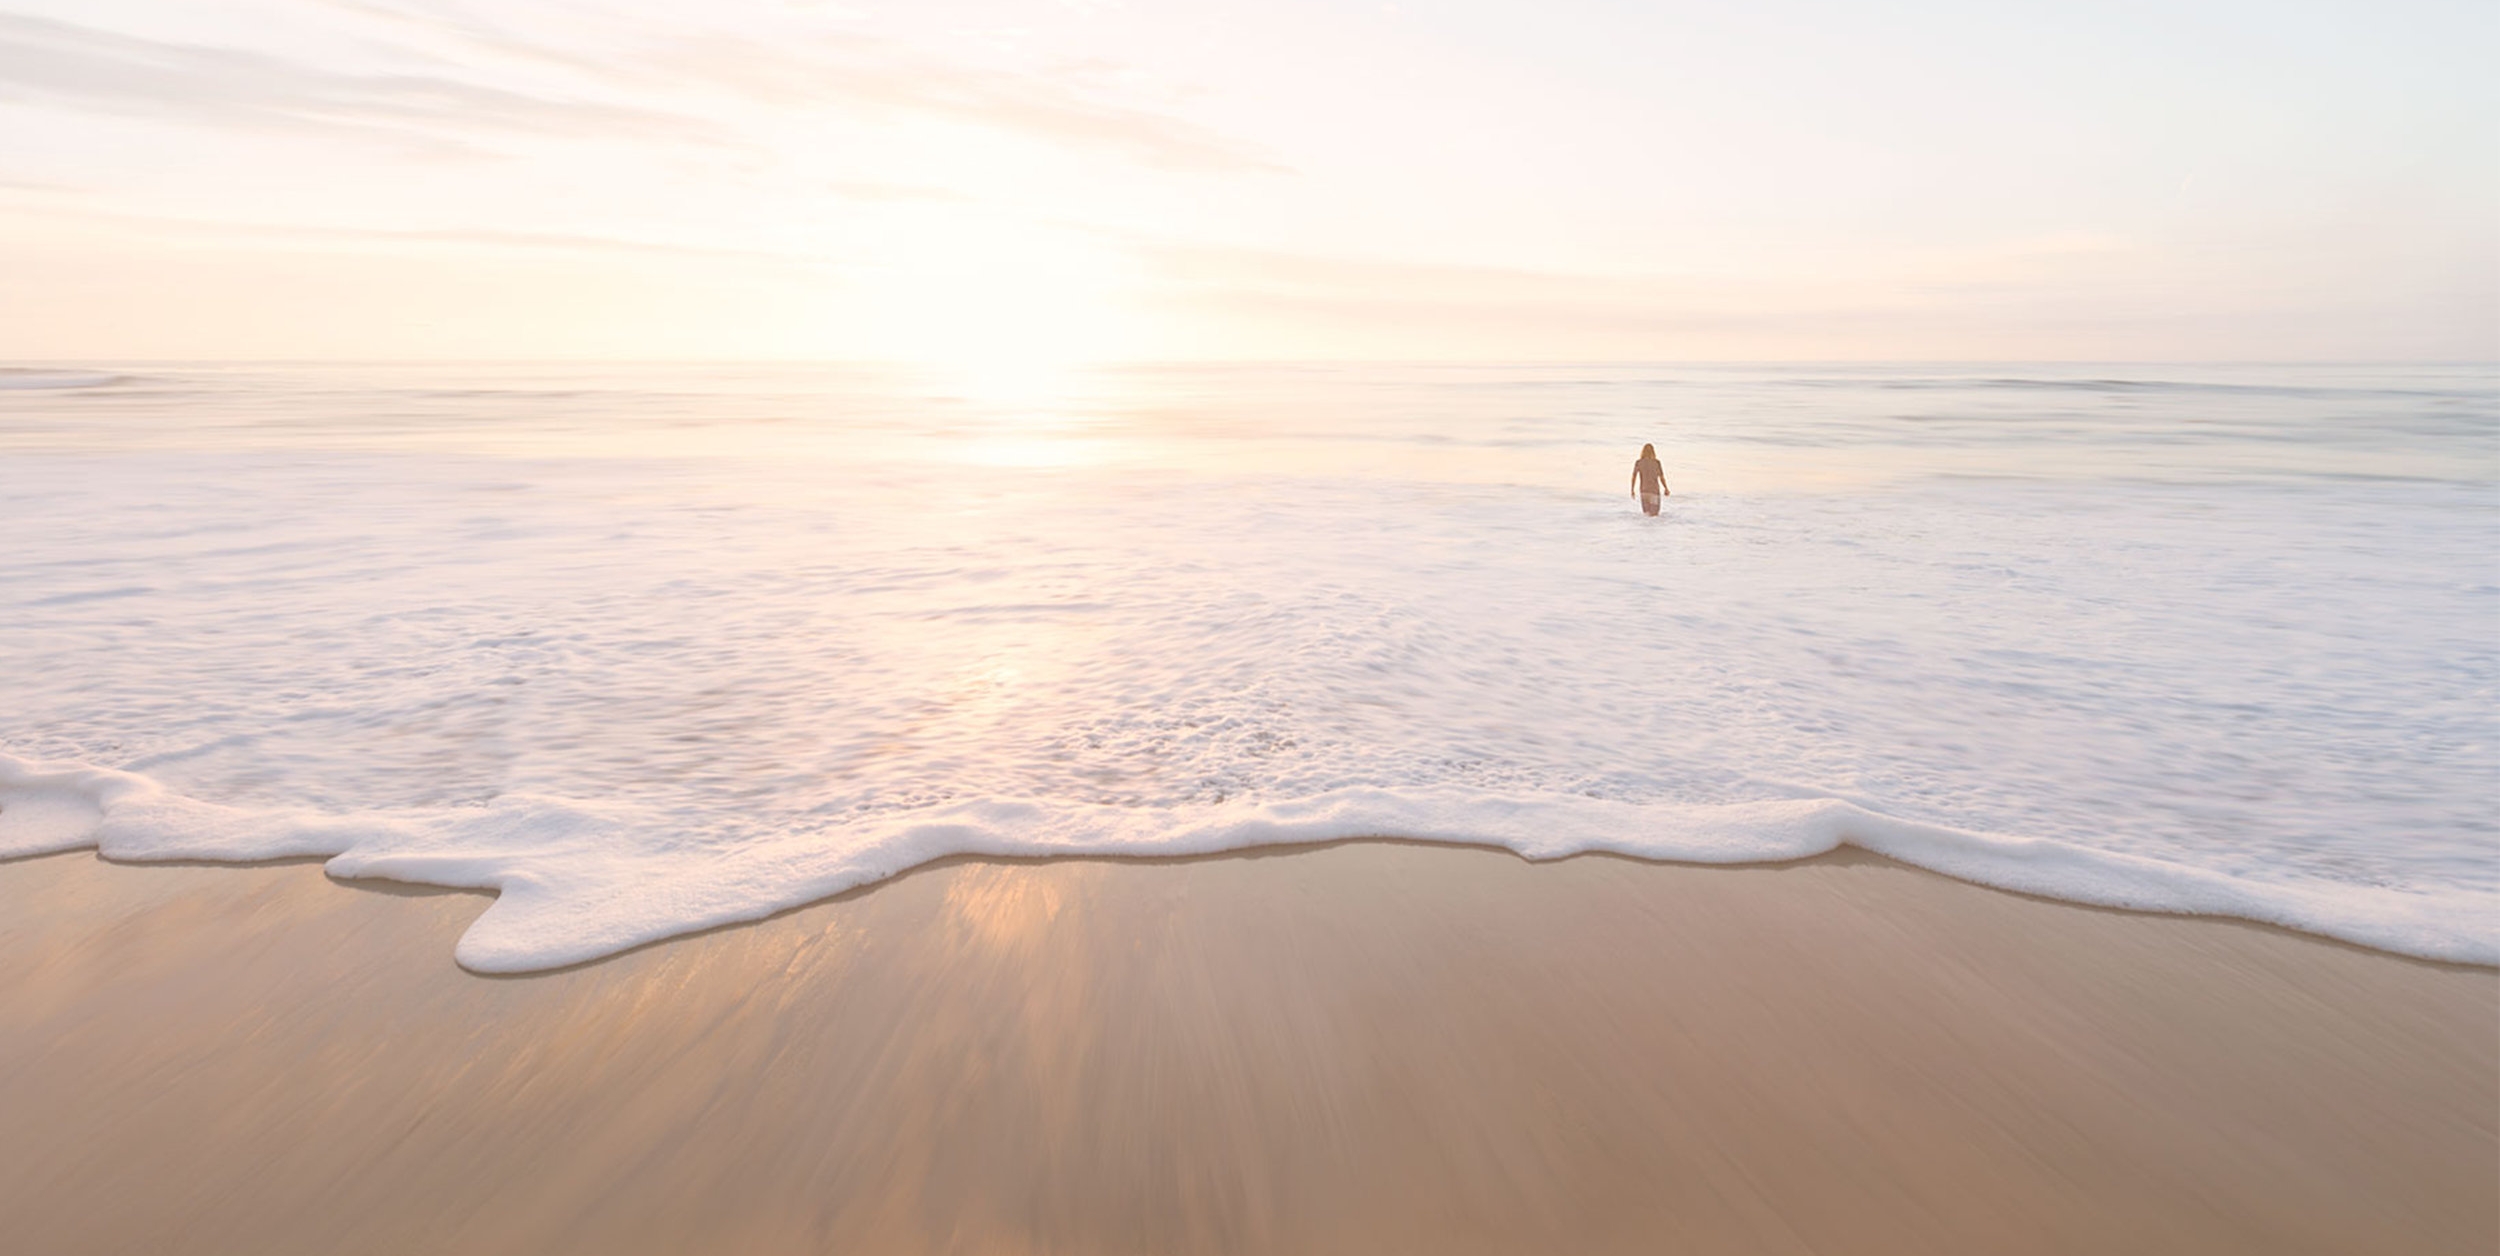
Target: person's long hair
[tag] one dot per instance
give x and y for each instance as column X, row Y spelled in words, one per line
column 1649, row 451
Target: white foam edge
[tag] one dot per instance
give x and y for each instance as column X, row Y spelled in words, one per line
column 568, row 890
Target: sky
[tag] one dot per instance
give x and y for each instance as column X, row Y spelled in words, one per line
column 1067, row 181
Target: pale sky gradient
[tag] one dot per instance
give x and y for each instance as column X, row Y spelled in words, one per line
column 1091, row 179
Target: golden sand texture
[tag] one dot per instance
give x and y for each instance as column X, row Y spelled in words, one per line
column 1362, row 1048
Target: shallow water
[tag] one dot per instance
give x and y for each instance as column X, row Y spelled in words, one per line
column 652, row 648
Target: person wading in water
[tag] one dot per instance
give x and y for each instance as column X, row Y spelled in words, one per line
column 1649, row 480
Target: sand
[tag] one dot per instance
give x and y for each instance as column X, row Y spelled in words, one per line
column 1369, row 1047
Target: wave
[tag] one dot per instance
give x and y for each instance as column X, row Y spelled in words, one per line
column 578, row 880
column 27, row 379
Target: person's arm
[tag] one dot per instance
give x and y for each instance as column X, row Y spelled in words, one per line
column 1636, row 479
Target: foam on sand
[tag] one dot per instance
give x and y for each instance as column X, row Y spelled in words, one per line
column 575, row 881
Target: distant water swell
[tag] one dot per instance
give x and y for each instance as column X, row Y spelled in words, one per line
column 577, row 881
column 35, row 379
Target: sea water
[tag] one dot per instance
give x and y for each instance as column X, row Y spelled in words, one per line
column 646, row 649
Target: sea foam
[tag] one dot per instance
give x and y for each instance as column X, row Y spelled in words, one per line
column 578, row 881
column 644, row 653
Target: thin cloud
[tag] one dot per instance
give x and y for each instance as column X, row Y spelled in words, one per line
column 1067, row 107
column 856, row 72
column 2023, row 266
column 870, row 190
column 2038, row 297
column 464, row 31
column 296, row 235
column 83, row 67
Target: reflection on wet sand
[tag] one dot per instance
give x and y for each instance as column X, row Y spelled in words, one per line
column 1370, row 1047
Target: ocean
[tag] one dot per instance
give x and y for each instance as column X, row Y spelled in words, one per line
column 652, row 648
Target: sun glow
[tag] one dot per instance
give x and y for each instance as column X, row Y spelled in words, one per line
column 999, row 310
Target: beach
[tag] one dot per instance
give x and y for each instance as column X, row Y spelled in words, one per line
column 1361, row 1047
column 779, row 628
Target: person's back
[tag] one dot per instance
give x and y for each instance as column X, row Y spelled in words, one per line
column 1649, row 480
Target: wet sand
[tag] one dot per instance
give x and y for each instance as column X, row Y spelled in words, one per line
column 1366, row 1048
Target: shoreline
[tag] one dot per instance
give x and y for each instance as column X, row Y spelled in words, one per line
column 555, row 908
column 1846, row 854
column 1360, row 1045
